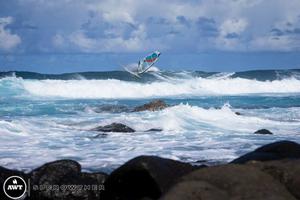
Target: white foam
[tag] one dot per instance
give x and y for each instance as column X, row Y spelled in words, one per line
column 189, row 133
column 177, row 119
column 122, row 89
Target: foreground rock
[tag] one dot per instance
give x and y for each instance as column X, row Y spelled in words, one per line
column 114, row 127
column 274, row 151
column 144, row 176
column 263, row 132
column 65, row 172
column 238, row 182
column 47, row 181
column 271, row 172
column 286, row 171
column 152, row 106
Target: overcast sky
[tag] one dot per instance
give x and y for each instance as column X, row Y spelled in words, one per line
column 139, row 26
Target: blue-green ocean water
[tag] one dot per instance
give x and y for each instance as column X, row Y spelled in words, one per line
column 46, row 117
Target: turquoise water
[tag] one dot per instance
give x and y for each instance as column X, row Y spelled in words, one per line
column 49, row 117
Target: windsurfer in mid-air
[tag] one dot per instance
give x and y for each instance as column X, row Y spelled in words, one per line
column 145, row 64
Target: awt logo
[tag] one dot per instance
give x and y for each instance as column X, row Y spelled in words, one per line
column 14, row 187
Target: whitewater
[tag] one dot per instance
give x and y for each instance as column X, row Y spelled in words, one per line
column 161, row 87
column 211, row 118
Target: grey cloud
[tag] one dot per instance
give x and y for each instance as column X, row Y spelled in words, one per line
column 293, row 31
column 278, row 32
column 232, row 35
column 157, row 20
column 181, row 19
column 207, row 26
column 181, row 25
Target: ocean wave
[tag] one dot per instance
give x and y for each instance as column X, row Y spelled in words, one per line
column 204, row 134
column 175, row 119
column 114, row 89
column 185, row 117
column 155, row 74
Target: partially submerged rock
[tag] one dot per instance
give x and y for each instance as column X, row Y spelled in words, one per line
column 263, row 132
column 274, row 151
column 144, row 176
column 154, row 130
column 114, row 127
column 111, row 108
column 151, row 106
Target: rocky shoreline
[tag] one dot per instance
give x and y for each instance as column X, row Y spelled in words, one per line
column 269, row 172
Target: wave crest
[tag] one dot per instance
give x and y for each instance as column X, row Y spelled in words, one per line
column 113, row 88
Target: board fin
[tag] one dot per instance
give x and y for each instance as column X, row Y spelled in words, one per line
column 131, row 72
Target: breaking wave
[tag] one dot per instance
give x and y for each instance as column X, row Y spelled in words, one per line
column 168, row 87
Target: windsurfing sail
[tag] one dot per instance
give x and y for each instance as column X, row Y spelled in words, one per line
column 144, row 64
column 147, row 62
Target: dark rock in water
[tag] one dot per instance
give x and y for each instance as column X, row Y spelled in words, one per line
column 114, row 127
column 285, row 171
column 274, row 151
column 263, row 132
column 144, row 176
column 64, row 172
column 4, row 174
column 154, row 130
column 111, row 109
column 100, row 135
column 227, row 182
column 152, row 106
column 237, row 113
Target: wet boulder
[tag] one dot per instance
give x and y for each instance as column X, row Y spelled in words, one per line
column 273, row 151
column 193, row 190
column 114, row 127
column 286, row 171
column 226, row 182
column 144, row 177
column 48, row 180
column 151, row 106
